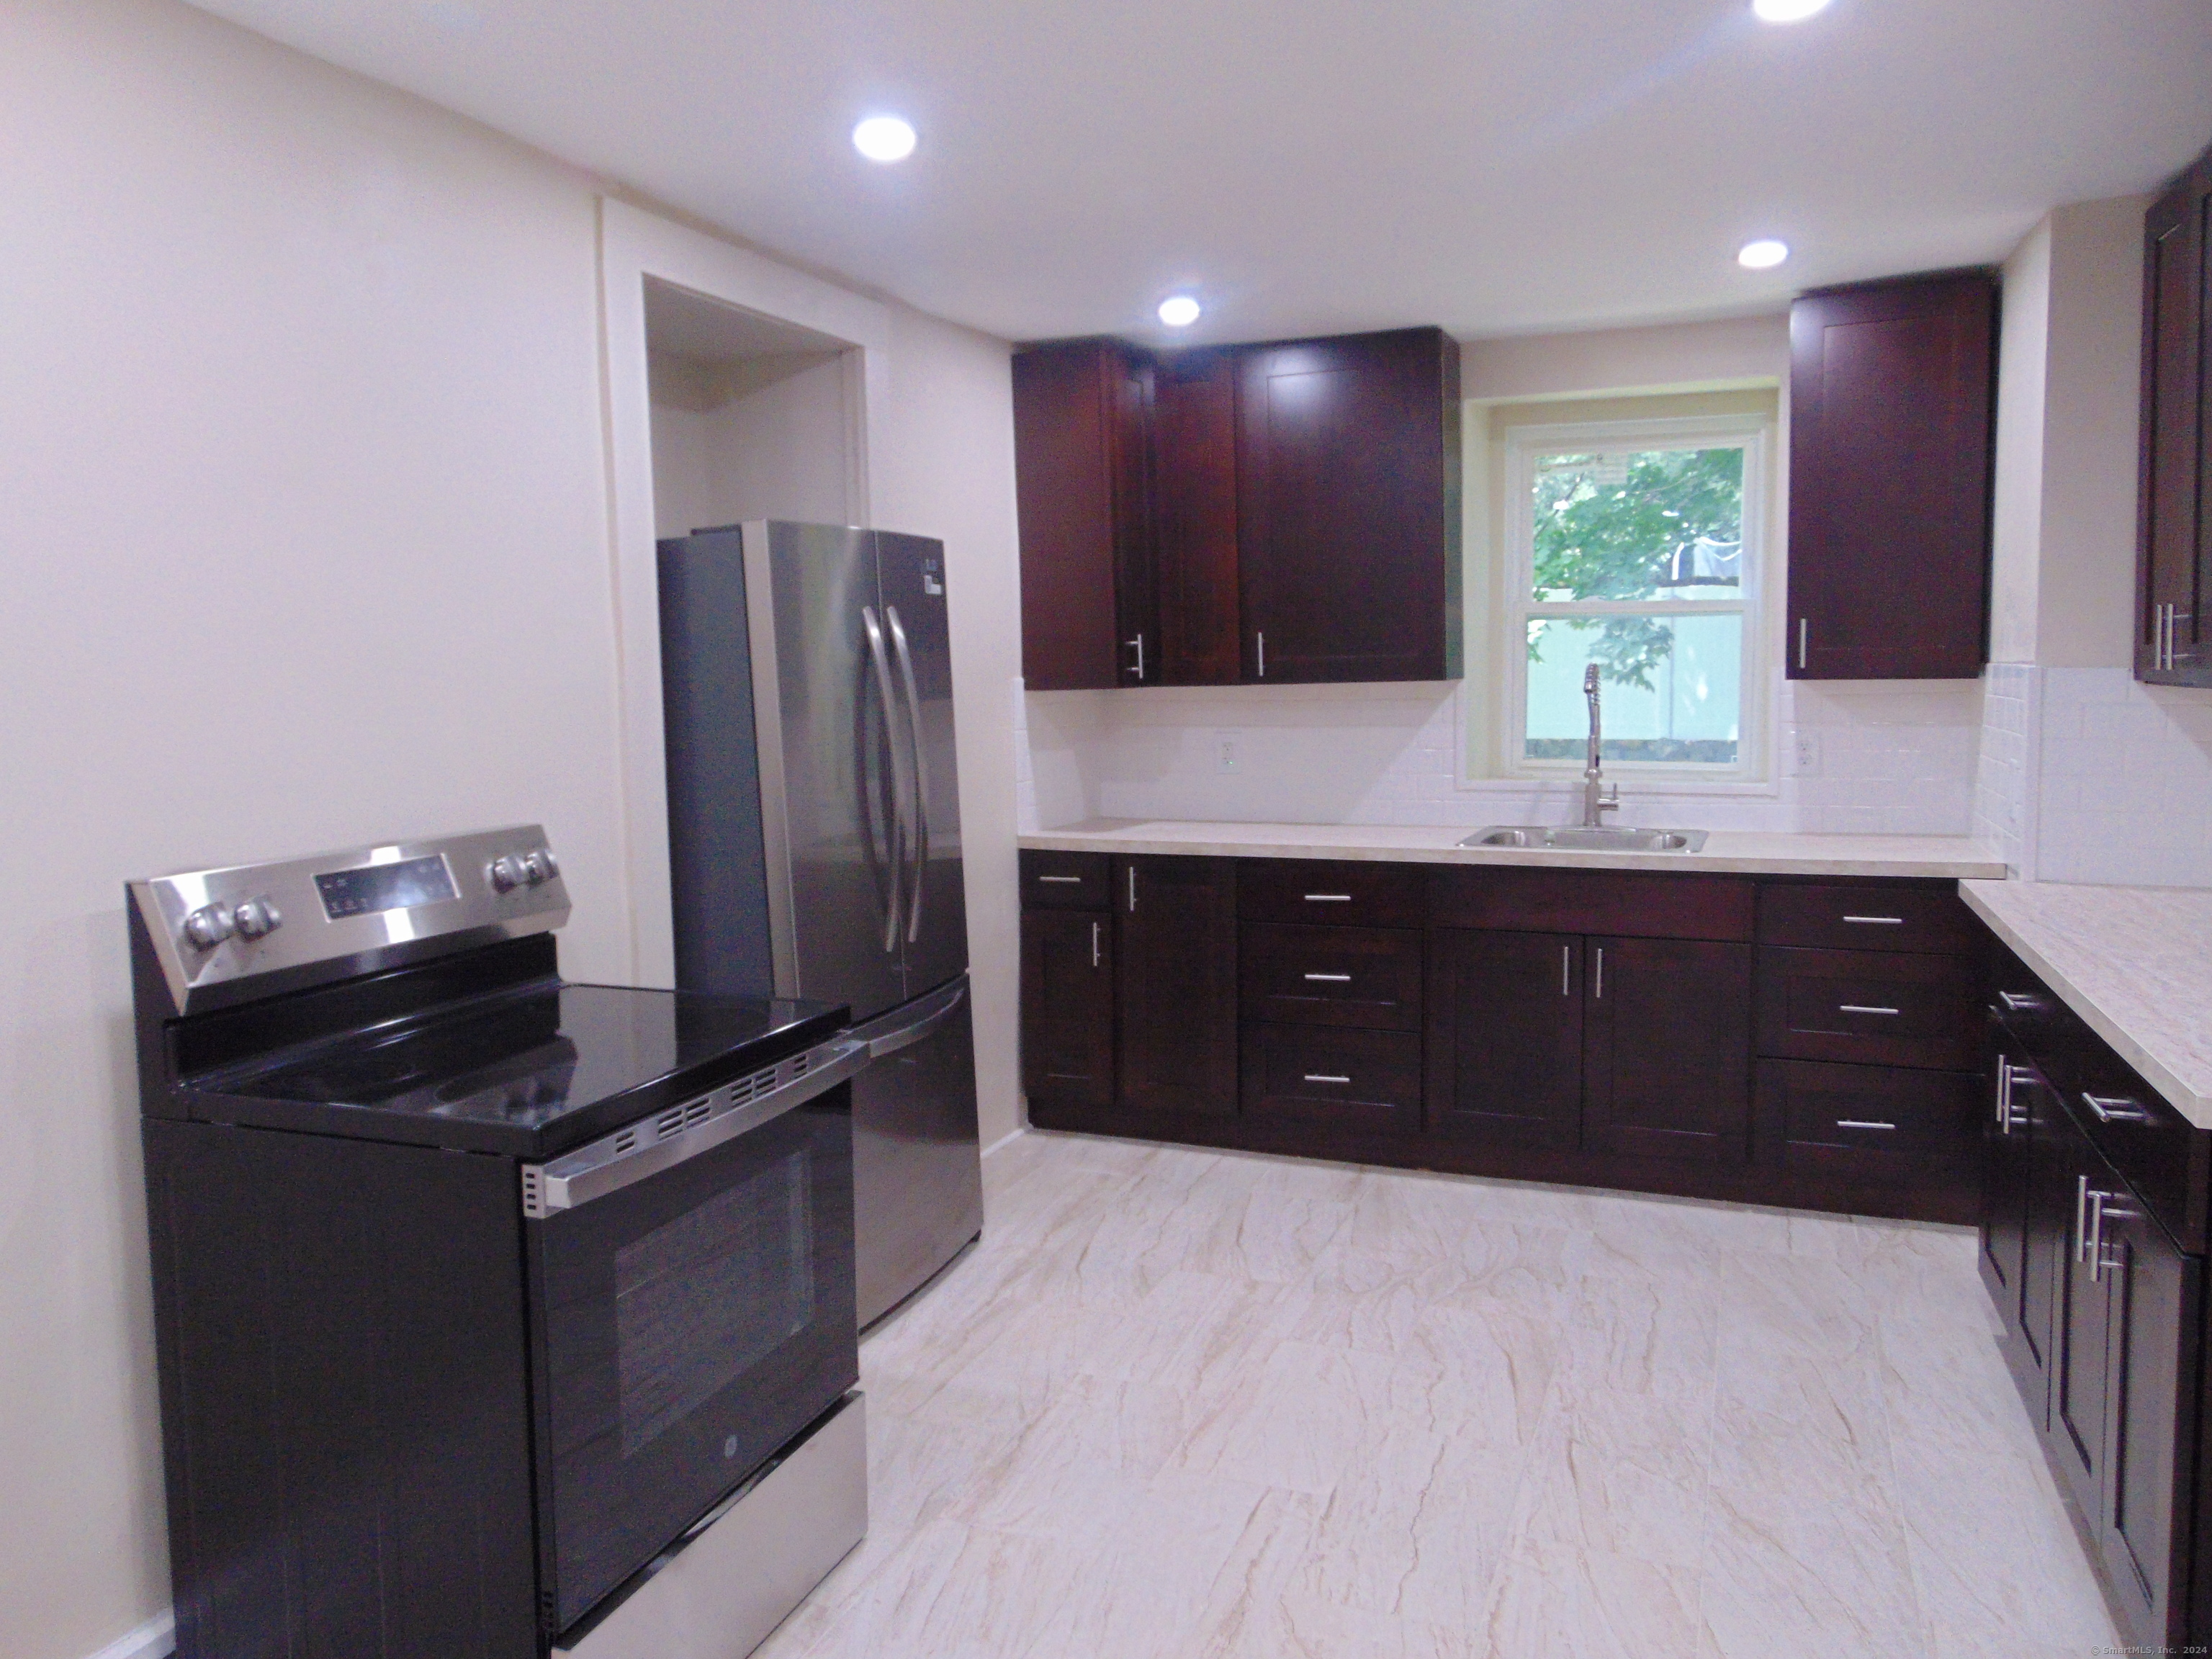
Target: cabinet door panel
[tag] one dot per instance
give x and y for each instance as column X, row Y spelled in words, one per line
column 1068, row 1007
column 2004, row 1225
column 1194, row 517
column 1892, row 410
column 1505, row 1037
column 2150, row 1411
column 1175, row 972
column 1081, row 458
column 2172, row 543
column 2080, row 1359
column 1348, row 490
column 1667, row 1049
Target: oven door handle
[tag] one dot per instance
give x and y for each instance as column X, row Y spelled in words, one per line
column 629, row 1155
column 928, row 1013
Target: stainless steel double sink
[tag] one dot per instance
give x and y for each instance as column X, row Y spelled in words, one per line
column 1575, row 838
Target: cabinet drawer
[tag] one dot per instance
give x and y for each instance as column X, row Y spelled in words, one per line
column 1877, row 1123
column 1333, row 975
column 1839, row 917
column 1627, row 904
column 1358, row 1079
column 1870, row 1007
column 1065, row 881
column 1335, row 892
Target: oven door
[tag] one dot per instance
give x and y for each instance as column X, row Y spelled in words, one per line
column 686, row 1321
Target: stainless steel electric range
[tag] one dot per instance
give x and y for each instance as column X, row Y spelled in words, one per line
column 497, row 1315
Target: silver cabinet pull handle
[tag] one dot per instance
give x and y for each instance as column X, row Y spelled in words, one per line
column 1328, row 898
column 2095, row 1244
column 2115, row 1109
column 881, row 663
column 1133, row 889
column 1331, row 978
column 2019, row 1002
column 1804, row 627
column 1075, row 881
column 1883, row 921
column 1094, row 945
column 1138, row 645
column 1862, row 1123
column 1566, row 966
column 2081, row 1215
column 1325, row 1077
column 921, row 776
column 1262, row 640
column 1599, row 996
column 1862, row 1008
column 2004, row 1096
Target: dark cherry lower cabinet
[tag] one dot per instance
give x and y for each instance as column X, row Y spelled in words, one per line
column 1505, row 1037
column 2102, row 1329
column 1667, row 1049
column 1067, row 1006
column 1174, row 923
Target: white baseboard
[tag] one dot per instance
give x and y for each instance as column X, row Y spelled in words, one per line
column 154, row 1638
column 1006, row 1140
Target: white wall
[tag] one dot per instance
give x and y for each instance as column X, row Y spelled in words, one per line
column 727, row 447
column 2084, row 775
column 1892, row 758
column 305, row 541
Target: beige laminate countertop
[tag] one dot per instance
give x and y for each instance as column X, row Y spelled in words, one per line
column 1728, row 851
column 2136, row 963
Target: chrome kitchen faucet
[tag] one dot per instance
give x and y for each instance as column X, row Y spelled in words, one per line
column 1595, row 805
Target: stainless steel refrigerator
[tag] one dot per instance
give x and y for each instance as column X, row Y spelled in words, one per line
column 814, row 842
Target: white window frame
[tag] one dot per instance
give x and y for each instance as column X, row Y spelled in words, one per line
column 1510, row 634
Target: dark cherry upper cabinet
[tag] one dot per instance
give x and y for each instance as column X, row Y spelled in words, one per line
column 1667, row 1049
column 1348, row 507
column 1067, row 1006
column 1892, row 415
column 1194, row 517
column 1082, row 489
column 2173, row 636
column 1175, row 972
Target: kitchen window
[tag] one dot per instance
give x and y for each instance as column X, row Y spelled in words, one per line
column 1637, row 546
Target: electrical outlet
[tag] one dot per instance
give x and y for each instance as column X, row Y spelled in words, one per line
column 1805, row 760
column 1224, row 752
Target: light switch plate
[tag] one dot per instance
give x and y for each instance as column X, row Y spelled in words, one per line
column 1225, row 752
column 1805, row 756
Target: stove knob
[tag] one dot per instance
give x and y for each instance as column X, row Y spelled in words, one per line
column 209, row 925
column 538, row 866
column 505, row 874
column 547, row 863
column 258, row 918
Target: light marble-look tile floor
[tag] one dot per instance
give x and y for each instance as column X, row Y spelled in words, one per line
column 1179, row 1403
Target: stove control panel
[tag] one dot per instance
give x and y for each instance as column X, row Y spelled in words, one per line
column 220, row 934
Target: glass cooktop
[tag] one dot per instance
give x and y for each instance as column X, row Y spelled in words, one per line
column 527, row 1059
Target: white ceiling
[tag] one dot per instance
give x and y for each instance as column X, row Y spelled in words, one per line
column 1494, row 166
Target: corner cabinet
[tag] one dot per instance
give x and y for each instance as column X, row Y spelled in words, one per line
column 2173, row 636
column 1278, row 514
column 1892, row 409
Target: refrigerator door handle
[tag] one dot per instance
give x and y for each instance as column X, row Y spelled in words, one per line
column 881, row 663
column 919, row 774
column 928, row 1013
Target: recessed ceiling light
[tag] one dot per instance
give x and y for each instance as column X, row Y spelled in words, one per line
column 884, row 139
column 1762, row 255
column 1787, row 11
column 1179, row 311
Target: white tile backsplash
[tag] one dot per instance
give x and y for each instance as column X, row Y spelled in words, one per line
column 1897, row 759
column 2125, row 790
